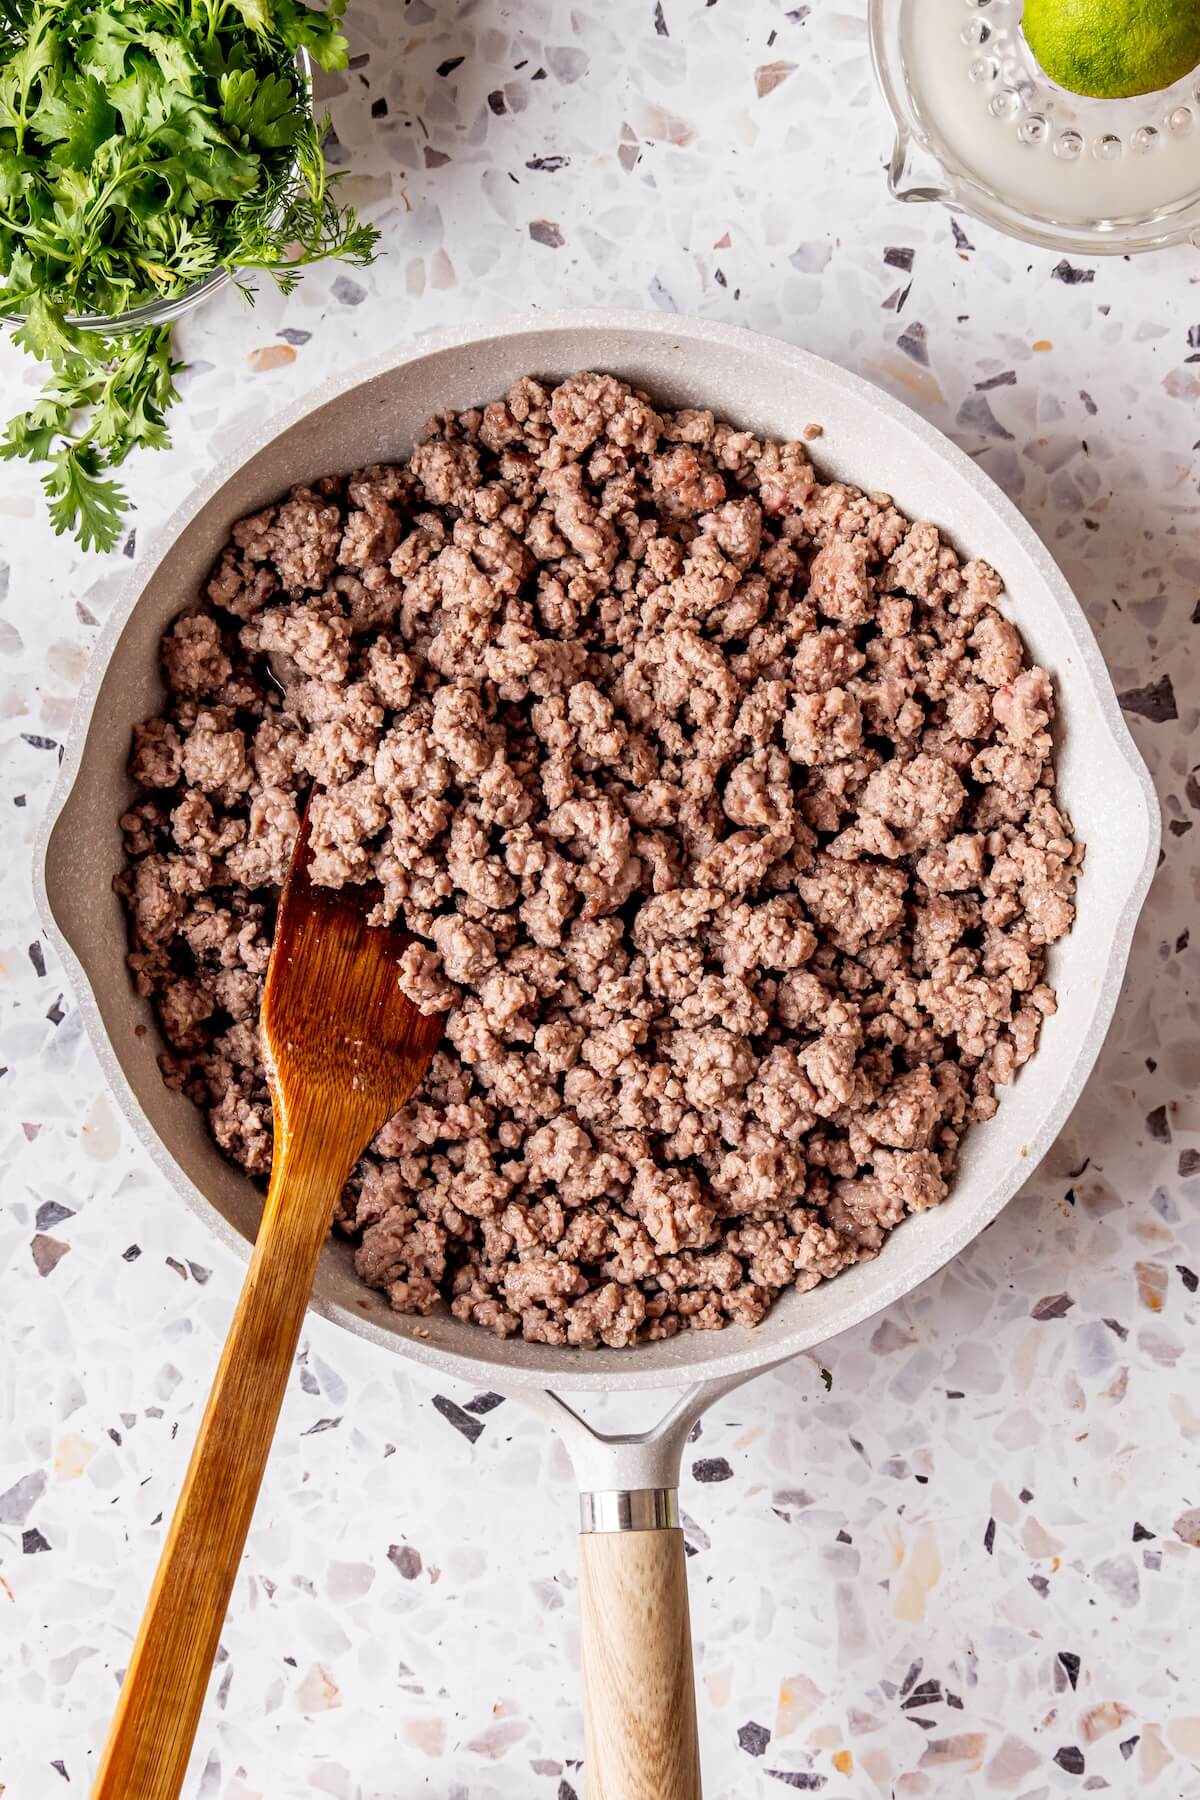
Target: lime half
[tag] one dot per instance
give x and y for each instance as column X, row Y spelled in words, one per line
column 1113, row 48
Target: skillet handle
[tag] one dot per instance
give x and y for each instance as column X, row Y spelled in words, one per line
column 639, row 1700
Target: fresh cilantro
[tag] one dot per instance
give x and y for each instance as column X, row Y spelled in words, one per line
column 255, row 13
column 80, row 501
column 44, row 332
column 827, row 1378
column 303, row 29
column 144, row 145
column 262, row 112
column 121, row 396
column 93, row 122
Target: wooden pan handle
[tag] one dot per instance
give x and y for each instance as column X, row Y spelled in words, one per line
column 639, row 1701
column 150, row 1740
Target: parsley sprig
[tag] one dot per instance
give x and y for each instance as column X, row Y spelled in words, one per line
column 144, row 145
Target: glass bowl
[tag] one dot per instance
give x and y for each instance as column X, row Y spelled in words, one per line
column 166, row 310
column 980, row 127
column 152, row 312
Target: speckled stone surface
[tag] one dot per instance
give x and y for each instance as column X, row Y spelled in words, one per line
column 973, row 1566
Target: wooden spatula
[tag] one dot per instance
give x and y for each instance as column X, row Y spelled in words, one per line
column 343, row 1050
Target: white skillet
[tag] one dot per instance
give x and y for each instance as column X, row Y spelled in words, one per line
column 640, row 1710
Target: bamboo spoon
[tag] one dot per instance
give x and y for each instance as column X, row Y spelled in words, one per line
column 344, row 1049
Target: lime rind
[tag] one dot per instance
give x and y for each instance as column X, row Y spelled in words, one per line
column 1114, row 49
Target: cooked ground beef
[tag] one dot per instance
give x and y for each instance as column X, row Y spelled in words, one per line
column 719, row 800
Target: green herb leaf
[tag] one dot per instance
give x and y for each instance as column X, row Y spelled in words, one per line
column 104, row 47
column 264, row 111
column 21, row 284
column 144, row 145
column 172, row 57
column 138, row 389
column 31, row 434
column 44, row 332
column 195, row 177
column 105, row 52
column 82, row 501
column 302, row 28
column 21, row 74
column 93, row 123
column 54, row 116
column 15, row 174
column 256, row 14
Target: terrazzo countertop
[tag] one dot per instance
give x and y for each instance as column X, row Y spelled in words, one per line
column 971, row 1566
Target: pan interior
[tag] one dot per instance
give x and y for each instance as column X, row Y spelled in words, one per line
column 867, row 439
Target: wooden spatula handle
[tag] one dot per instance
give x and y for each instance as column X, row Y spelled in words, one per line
column 639, row 1701
column 151, row 1736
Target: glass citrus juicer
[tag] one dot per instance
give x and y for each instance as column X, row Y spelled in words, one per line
column 980, row 126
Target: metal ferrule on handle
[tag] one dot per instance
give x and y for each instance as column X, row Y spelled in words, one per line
column 629, row 1509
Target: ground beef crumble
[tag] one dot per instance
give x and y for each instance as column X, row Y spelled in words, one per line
column 720, row 801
